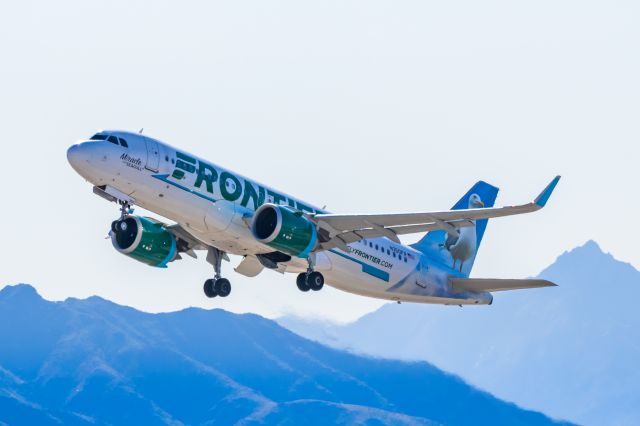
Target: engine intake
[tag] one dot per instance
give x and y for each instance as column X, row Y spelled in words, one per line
column 144, row 240
column 284, row 229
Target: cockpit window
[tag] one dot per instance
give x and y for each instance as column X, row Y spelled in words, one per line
column 110, row 138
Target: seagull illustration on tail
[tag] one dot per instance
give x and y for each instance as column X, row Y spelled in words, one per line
column 462, row 245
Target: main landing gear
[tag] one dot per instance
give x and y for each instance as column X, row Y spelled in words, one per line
column 310, row 281
column 216, row 286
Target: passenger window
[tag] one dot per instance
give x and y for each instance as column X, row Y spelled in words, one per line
column 123, row 143
column 113, row 139
column 376, row 247
column 370, row 244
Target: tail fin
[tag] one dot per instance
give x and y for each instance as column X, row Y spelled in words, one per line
column 459, row 251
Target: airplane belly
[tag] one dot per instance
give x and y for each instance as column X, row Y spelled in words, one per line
column 218, row 215
column 408, row 281
column 351, row 275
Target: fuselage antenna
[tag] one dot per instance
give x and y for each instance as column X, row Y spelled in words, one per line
column 141, row 129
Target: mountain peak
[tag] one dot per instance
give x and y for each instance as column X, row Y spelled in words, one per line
column 584, row 255
column 19, row 292
column 589, row 264
column 590, row 245
column 589, row 248
column 91, row 300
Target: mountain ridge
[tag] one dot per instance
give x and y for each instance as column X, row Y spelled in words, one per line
column 569, row 350
column 74, row 361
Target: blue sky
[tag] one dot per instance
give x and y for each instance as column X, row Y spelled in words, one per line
column 363, row 106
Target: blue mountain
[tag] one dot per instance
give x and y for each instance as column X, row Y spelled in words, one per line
column 94, row 362
column 571, row 351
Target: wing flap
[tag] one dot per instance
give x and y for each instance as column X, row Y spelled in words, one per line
column 460, row 285
column 249, row 267
column 361, row 234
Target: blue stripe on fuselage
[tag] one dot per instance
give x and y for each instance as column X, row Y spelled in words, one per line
column 184, row 188
column 367, row 269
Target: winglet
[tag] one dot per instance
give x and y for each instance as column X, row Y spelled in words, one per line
column 542, row 199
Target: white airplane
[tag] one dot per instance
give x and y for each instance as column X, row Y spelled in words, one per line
column 222, row 212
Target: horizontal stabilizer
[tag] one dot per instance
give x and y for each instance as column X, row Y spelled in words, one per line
column 493, row 284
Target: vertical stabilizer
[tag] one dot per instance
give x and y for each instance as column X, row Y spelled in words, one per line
column 458, row 251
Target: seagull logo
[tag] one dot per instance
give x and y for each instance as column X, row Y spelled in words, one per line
column 462, row 245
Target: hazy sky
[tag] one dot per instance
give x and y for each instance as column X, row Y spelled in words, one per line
column 365, row 106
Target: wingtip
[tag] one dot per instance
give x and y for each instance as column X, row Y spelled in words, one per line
column 546, row 283
column 544, row 196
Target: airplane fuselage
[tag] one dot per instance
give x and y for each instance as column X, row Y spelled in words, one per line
column 215, row 205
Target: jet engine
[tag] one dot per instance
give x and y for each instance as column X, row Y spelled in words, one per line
column 285, row 229
column 144, row 240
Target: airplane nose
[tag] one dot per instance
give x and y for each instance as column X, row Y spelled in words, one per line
column 79, row 156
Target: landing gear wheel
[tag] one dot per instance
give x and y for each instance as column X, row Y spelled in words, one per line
column 222, row 287
column 315, row 281
column 301, row 282
column 209, row 288
column 217, row 286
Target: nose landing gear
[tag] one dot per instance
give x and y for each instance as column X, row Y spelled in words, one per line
column 216, row 286
column 125, row 210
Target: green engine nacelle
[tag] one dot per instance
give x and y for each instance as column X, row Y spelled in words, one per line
column 144, row 240
column 284, row 229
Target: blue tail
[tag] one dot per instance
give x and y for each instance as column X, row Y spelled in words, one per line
column 458, row 252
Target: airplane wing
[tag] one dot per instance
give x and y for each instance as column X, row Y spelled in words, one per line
column 460, row 285
column 179, row 232
column 187, row 241
column 338, row 230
